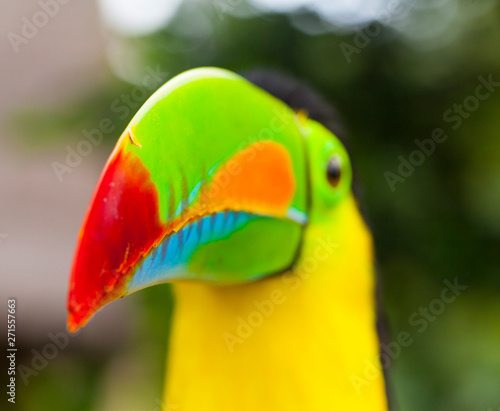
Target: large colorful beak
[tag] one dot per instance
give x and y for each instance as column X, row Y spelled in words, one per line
column 207, row 183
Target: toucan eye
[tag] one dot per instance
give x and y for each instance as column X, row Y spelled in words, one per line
column 333, row 171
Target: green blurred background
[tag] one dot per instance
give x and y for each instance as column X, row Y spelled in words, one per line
column 394, row 70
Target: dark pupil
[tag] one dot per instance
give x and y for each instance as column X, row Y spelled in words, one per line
column 333, row 171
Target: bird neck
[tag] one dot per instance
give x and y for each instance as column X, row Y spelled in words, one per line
column 303, row 340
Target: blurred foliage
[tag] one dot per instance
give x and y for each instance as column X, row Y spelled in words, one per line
column 442, row 222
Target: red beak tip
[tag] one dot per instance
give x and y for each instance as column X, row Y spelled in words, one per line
column 72, row 325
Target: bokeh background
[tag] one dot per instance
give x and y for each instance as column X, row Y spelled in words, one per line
column 394, row 70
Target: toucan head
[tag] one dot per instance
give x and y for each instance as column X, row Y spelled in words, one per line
column 213, row 180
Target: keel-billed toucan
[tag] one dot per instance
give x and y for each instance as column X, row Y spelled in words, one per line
column 243, row 201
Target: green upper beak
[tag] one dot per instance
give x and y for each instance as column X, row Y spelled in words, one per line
column 208, row 182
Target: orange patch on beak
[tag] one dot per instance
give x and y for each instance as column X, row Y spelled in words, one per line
column 258, row 179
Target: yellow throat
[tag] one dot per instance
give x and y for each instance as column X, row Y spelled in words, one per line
column 296, row 341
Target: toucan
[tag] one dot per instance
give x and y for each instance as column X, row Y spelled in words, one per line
column 239, row 192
